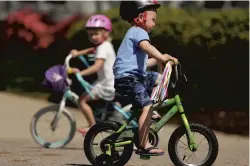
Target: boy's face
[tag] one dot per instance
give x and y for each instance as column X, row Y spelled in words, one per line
column 97, row 36
column 150, row 20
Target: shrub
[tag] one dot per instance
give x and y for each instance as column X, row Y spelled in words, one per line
column 212, row 46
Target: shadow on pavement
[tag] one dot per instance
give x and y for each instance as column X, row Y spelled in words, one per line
column 65, row 148
column 78, row 165
column 70, row 148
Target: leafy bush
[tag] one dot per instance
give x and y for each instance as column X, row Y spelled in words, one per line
column 206, row 28
column 212, row 46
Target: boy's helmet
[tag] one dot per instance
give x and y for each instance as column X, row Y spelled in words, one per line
column 131, row 9
column 99, row 21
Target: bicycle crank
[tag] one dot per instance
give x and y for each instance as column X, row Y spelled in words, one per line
column 104, row 160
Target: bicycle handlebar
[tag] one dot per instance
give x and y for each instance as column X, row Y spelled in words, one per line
column 68, row 58
column 79, row 77
column 175, row 69
column 67, row 61
column 178, row 74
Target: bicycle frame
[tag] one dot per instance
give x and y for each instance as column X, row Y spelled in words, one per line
column 176, row 107
column 69, row 95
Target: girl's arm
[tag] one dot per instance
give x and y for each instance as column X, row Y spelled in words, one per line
column 76, row 53
column 86, row 51
column 94, row 68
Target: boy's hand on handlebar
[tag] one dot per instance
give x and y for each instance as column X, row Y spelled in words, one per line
column 175, row 60
column 74, row 53
column 168, row 57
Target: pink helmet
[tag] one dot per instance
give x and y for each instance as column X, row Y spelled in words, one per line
column 99, row 21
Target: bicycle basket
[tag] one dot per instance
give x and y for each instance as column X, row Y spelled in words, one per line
column 55, row 78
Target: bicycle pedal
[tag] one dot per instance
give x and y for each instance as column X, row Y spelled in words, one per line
column 144, row 157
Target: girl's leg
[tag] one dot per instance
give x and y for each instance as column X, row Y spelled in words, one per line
column 87, row 111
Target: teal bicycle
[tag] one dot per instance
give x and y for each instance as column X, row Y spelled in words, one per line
column 46, row 123
column 111, row 143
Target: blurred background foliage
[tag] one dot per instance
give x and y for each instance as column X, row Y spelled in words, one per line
column 212, row 46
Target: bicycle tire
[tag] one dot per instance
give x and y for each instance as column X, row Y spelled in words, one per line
column 205, row 131
column 40, row 140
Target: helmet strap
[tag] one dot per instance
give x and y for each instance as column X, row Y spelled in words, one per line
column 142, row 23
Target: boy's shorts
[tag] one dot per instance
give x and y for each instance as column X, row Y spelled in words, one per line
column 136, row 90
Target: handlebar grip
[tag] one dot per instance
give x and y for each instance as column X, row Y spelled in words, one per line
column 176, row 76
column 176, row 73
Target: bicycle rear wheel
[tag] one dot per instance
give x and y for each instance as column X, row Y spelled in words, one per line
column 92, row 144
column 46, row 122
column 100, row 110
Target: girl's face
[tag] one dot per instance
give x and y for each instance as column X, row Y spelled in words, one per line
column 97, row 36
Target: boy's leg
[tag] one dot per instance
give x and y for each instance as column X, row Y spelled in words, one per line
column 144, row 126
column 158, row 79
column 154, row 79
column 142, row 100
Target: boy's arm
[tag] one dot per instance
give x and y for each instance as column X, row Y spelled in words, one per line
column 94, row 68
column 151, row 62
column 154, row 53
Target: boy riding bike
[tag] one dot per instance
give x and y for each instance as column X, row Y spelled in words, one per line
column 98, row 28
column 131, row 78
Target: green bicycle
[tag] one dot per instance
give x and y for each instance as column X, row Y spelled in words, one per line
column 116, row 144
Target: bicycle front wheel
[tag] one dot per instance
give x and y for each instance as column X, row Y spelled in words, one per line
column 207, row 146
column 50, row 130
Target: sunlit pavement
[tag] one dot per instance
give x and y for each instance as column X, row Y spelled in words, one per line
column 17, row 147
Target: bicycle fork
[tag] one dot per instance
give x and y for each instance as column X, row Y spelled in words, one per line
column 191, row 143
column 58, row 113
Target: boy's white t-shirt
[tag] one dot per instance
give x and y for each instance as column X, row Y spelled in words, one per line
column 104, row 85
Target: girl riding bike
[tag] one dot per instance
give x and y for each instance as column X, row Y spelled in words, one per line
column 98, row 28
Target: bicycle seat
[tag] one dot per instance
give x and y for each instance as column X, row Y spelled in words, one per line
column 120, row 95
column 100, row 103
column 122, row 99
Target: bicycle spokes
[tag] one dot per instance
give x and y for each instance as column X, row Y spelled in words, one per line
column 197, row 156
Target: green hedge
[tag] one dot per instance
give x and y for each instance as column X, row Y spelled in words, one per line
column 206, row 28
column 211, row 45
